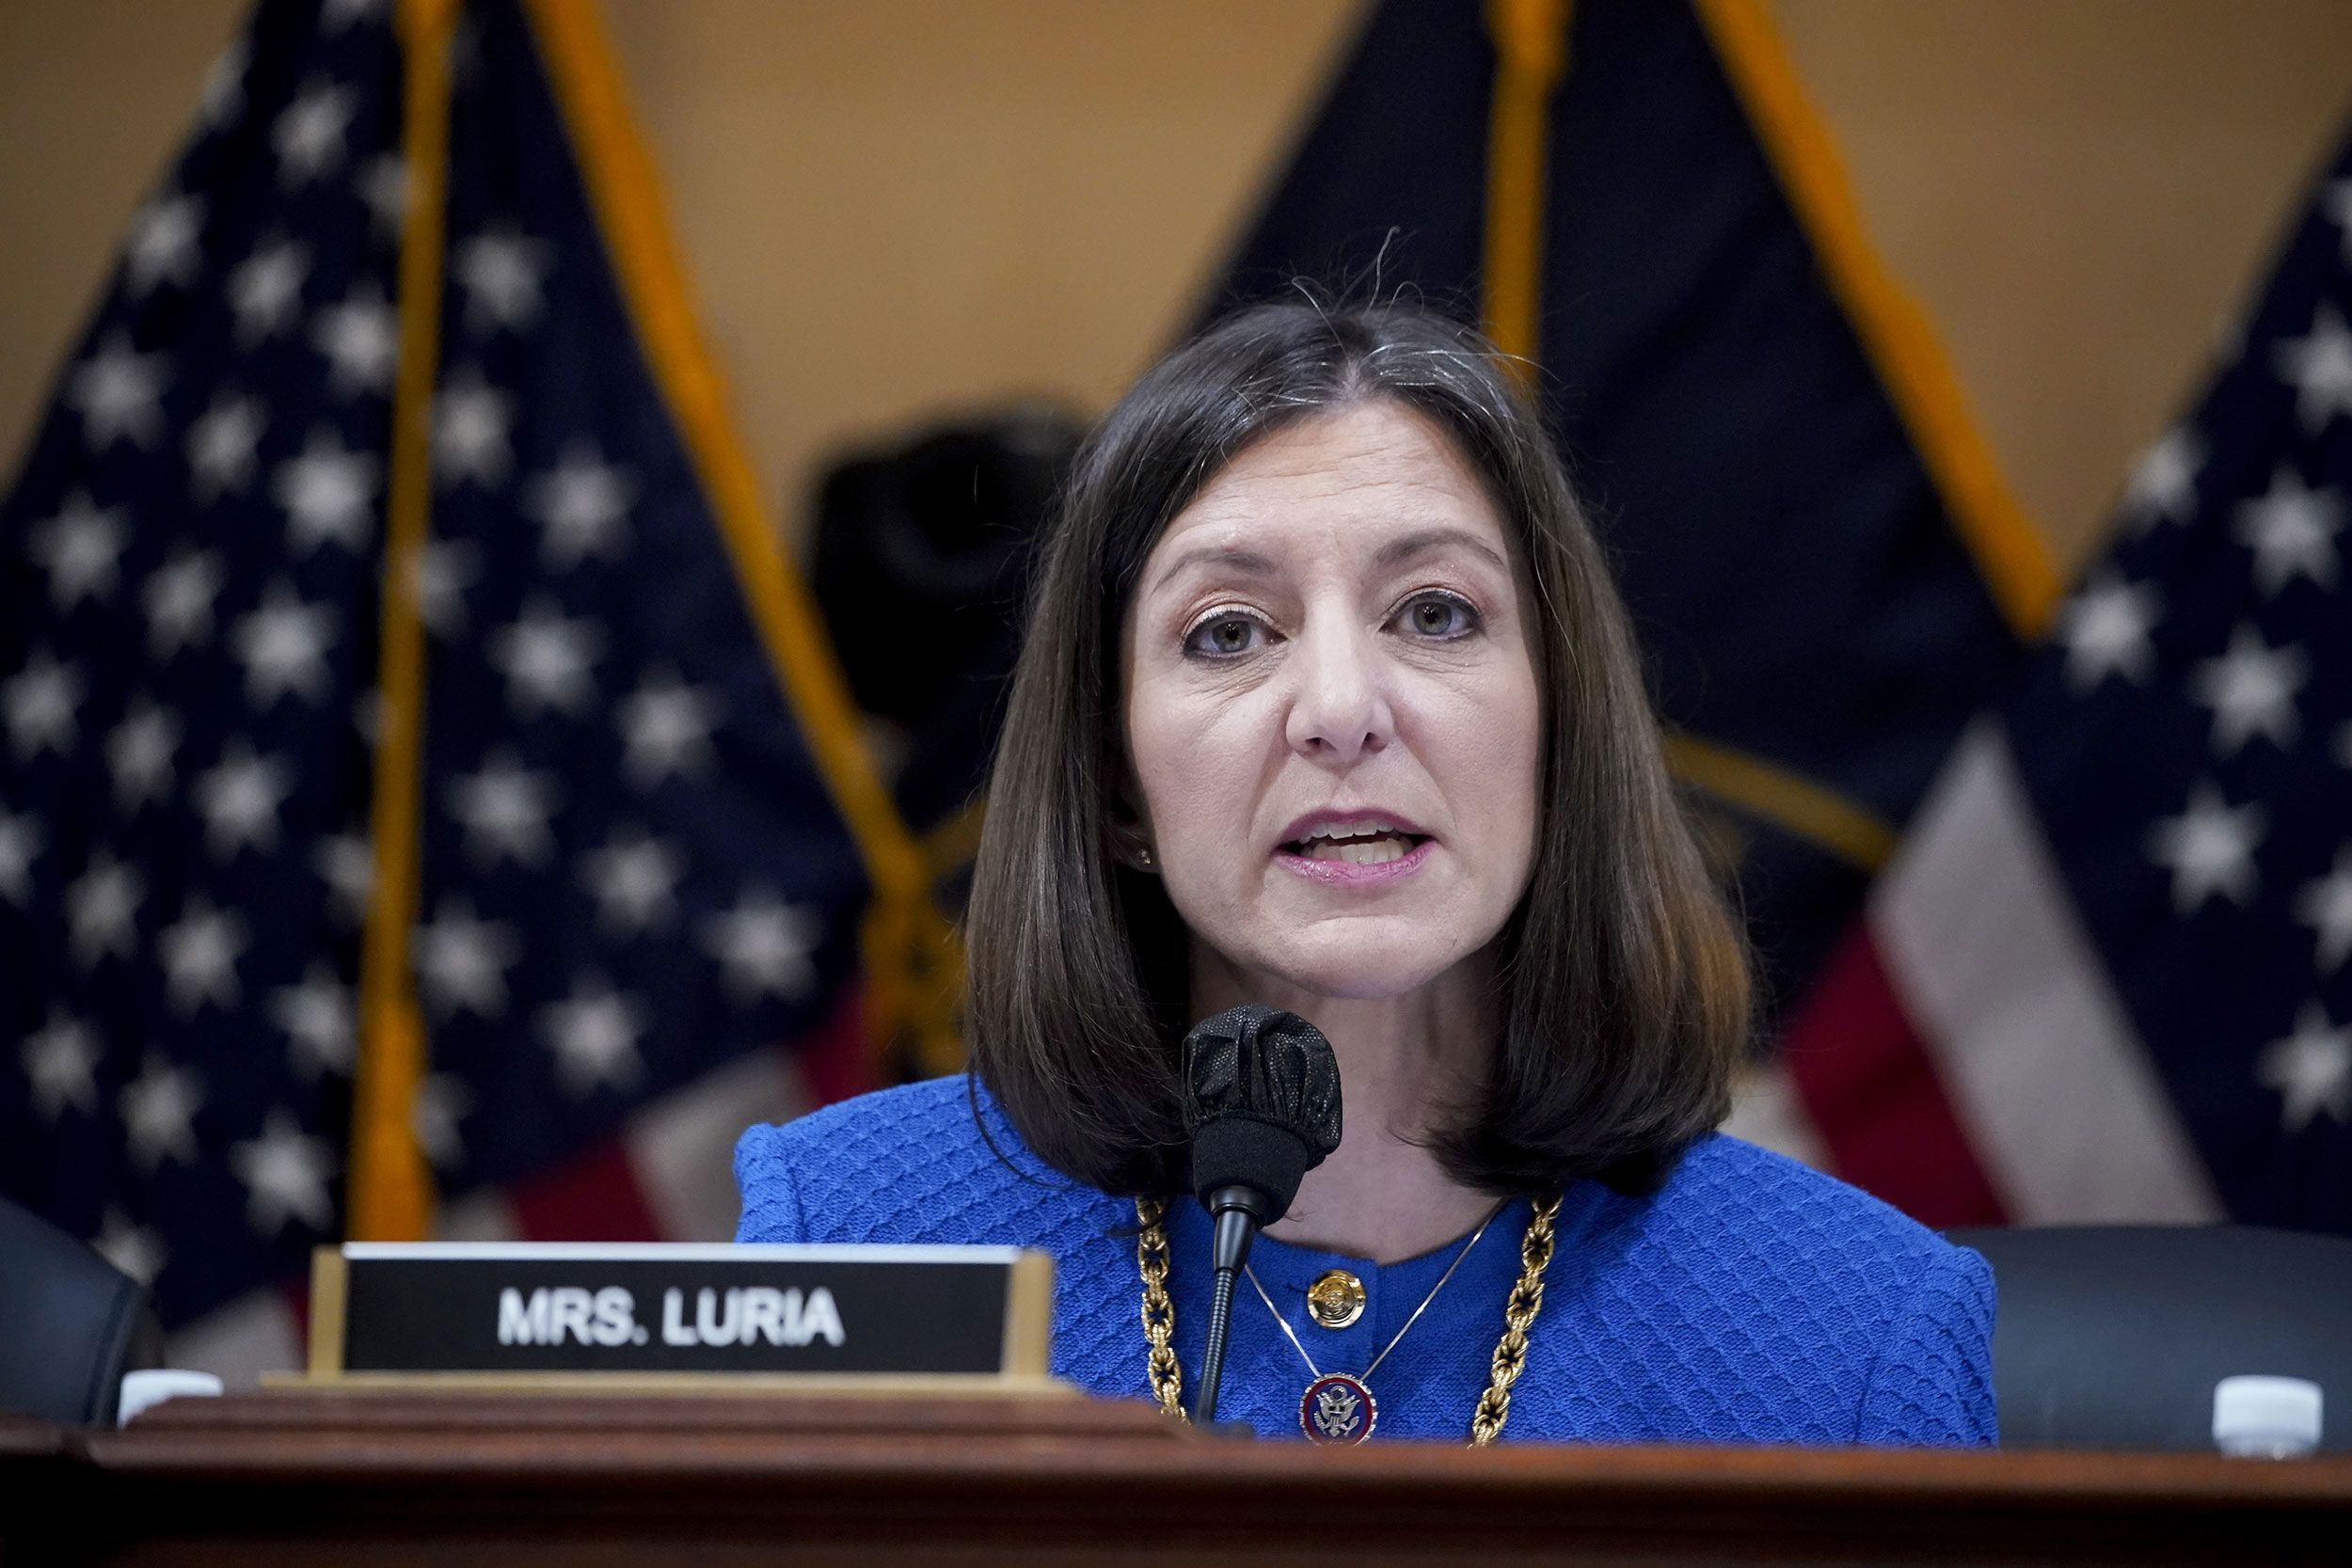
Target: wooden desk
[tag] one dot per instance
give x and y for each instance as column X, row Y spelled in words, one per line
column 590, row 1479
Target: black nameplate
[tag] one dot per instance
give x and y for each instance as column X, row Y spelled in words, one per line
column 499, row 1308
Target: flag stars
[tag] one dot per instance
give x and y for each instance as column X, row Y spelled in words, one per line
column 444, row 569
column 315, row 1015
column 118, row 393
column 594, row 1034
column 101, row 908
column 2163, row 487
column 163, row 248
column 2209, row 849
column 2310, row 1071
column 2319, row 367
column 308, row 134
column 286, row 1171
column 199, row 953
column 345, row 863
column 2252, row 692
column 665, row 725
column 581, row 506
column 384, row 189
column 329, row 493
column 239, row 799
column 283, row 645
column 360, row 341
column 81, row 550
column 134, row 1249
column 179, row 597
column 440, row 1105
column 763, row 946
column 634, row 880
column 2326, row 906
column 221, row 444
column 471, row 423
column 139, row 754
column 501, row 271
column 546, row 660
column 159, row 1109
column 462, row 961
column 61, row 1065
column 265, row 289
column 40, row 704
column 2292, row 530
column 504, row 810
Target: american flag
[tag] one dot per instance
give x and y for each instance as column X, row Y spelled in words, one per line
column 633, row 875
column 2109, row 976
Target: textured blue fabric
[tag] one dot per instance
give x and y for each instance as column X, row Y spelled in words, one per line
column 1750, row 1299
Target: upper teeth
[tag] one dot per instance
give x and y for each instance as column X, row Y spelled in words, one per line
column 1351, row 830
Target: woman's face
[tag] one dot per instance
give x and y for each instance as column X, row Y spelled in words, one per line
column 1332, row 710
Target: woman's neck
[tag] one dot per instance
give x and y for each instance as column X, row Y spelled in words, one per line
column 1406, row 1065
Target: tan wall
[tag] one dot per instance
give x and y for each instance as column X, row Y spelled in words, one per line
column 896, row 206
column 2081, row 192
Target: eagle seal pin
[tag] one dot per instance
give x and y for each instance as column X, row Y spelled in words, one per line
column 1337, row 1408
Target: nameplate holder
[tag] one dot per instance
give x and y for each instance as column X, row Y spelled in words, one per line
column 650, row 1315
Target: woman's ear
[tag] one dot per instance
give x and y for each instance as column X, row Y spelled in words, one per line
column 1130, row 840
column 1127, row 824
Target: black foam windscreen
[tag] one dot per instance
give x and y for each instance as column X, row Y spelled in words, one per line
column 1262, row 1102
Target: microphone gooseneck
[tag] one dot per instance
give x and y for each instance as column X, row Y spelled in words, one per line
column 1263, row 1107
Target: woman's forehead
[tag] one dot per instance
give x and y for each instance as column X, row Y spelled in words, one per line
column 1365, row 481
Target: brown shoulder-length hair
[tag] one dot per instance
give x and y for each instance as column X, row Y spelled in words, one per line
column 1624, row 989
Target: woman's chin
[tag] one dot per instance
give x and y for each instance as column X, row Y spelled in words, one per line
column 1365, row 971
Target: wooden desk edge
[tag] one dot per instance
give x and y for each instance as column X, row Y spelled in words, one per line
column 1009, row 1436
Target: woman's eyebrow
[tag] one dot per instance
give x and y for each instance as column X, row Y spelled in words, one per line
column 1248, row 564
column 1406, row 546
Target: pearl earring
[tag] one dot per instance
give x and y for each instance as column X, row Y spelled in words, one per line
column 1143, row 859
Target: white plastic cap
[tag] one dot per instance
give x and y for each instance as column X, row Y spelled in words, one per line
column 2272, row 1417
column 148, row 1390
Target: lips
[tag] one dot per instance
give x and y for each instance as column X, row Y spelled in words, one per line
column 1361, row 842
column 1370, row 874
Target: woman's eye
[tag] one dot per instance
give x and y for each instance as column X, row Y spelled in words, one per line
column 1224, row 637
column 1440, row 617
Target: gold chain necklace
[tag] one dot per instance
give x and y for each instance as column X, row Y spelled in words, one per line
column 1526, row 1299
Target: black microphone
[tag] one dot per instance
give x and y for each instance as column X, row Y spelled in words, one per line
column 1263, row 1107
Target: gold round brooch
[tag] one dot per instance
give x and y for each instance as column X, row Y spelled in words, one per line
column 1336, row 1299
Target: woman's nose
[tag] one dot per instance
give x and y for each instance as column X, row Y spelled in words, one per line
column 1340, row 707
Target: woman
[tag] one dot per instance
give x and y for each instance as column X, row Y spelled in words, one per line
column 1328, row 703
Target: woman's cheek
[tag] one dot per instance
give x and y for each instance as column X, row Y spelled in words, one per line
column 1209, row 827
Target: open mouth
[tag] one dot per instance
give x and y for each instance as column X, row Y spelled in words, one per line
column 1372, row 845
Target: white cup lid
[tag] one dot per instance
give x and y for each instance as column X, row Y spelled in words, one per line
column 145, row 1390
column 2281, row 1408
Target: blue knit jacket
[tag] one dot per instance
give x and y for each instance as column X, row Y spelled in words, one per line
column 1748, row 1300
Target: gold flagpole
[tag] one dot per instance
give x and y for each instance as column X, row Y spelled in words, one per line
column 2008, row 549
column 391, row 1189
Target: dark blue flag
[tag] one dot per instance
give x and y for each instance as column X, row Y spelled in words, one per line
column 1825, row 579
